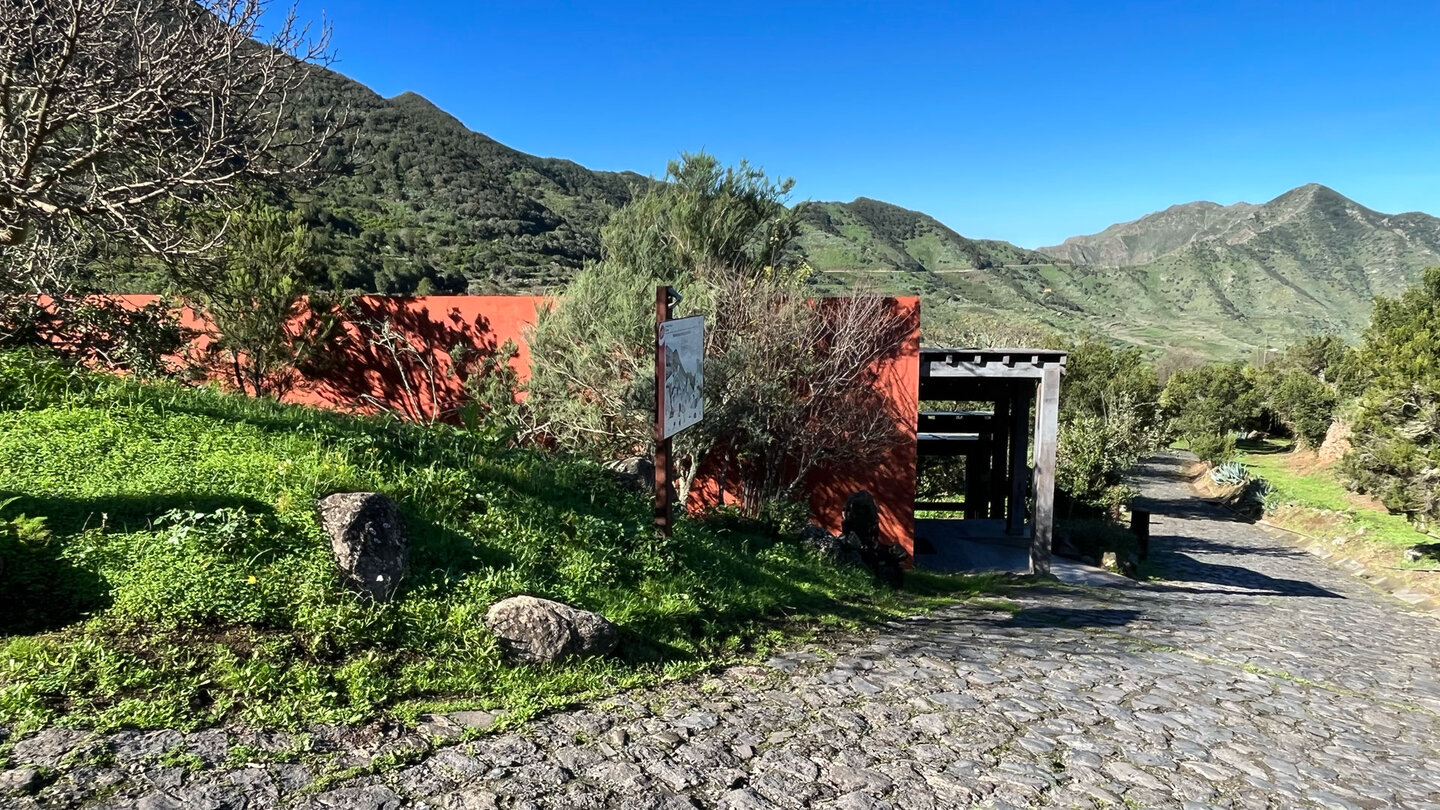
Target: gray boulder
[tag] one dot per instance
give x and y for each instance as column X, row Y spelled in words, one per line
column 367, row 534
column 635, row 473
column 539, row 631
column 21, row 781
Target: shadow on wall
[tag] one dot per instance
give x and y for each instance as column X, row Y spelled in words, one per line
column 414, row 357
column 397, row 355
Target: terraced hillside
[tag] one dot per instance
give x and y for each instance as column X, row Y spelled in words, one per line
column 1219, row 279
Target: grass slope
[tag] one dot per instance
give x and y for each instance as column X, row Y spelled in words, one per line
column 1301, row 484
column 165, row 566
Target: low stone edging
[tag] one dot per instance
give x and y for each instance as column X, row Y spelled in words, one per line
column 1380, row 582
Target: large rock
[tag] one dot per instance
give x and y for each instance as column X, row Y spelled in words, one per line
column 367, row 534
column 1336, row 444
column 539, row 631
column 635, row 473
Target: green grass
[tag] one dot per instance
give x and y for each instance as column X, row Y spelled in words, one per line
column 165, row 567
column 1321, row 490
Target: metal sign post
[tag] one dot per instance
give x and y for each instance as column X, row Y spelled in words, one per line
column 679, row 391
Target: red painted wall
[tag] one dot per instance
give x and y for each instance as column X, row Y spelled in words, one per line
column 892, row 481
column 356, row 377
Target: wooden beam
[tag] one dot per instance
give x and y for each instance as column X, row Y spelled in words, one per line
column 946, row 445
column 1047, row 428
column 1019, row 460
column 960, row 422
column 993, row 371
column 939, row 506
column 967, row 389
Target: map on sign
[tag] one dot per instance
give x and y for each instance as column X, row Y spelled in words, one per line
column 682, row 352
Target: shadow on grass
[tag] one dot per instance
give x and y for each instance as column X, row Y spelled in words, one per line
column 1260, row 447
column 123, row 512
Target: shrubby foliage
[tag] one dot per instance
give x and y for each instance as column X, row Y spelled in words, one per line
column 1395, row 451
column 265, row 316
column 1213, row 400
column 786, row 380
column 1301, row 401
column 1109, row 420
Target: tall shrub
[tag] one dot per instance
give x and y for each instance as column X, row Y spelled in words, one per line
column 787, row 383
column 1395, row 446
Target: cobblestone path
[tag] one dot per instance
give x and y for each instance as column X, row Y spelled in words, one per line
column 1250, row 676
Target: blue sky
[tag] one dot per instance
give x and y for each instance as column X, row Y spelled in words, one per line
column 1024, row 121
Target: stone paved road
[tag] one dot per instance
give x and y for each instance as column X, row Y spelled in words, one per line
column 1251, row 676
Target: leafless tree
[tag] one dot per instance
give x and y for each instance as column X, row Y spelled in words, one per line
column 117, row 117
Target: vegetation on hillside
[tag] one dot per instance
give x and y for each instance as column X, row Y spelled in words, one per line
column 1386, row 392
column 166, row 568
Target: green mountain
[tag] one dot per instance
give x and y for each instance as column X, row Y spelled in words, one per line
column 868, row 235
column 1150, row 237
column 423, row 202
column 1308, row 261
column 1222, row 280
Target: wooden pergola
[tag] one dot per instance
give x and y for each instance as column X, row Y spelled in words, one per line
column 996, row 445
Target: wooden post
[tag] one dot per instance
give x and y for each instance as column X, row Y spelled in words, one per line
column 1140, row 525
column 975, row 493
column 1047, row 428
column 1019, row 457
column 999, row 428
column 663, row 462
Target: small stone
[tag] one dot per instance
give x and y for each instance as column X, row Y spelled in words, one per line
column 368, row 538
column 541, row 631
column 473, row 719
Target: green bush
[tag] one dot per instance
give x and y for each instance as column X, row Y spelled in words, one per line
column 1110, row 419
column 1395, row 444
column 1213, row 449
column 1304, row 404
column 183, row 522
column 1212, row 400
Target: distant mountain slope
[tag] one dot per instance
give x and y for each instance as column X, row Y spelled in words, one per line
column 1310, row 260
column 868, row 235
column 1150, row 237
column 425, row 198
column 1220, row 279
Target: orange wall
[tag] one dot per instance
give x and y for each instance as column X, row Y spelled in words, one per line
column 356, row 376
column 892, row 481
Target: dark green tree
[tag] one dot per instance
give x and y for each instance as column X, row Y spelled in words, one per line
column 1395, row 452
column 258, row 298
column 1213, row 400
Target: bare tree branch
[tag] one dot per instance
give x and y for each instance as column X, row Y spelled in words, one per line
column 120, row 118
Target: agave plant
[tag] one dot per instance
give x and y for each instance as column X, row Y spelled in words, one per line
column 1231, row 473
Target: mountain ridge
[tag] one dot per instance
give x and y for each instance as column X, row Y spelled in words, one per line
column 421, row 203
